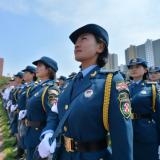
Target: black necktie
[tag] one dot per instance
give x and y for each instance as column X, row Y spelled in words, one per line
column 77, row 83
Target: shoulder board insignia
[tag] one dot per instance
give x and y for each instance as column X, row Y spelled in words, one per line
column 70, row 78
column 50, row 83
column 151, row 82
column 104, row 70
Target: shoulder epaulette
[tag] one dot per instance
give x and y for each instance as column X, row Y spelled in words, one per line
column 103, row 70
column 28, row 85
column 70, row 78
column 151, row 82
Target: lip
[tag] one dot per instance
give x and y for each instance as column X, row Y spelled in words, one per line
column 134, row 72
column 78, row 50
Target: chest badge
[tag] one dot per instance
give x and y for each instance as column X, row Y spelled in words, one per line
column 88, row 93
column 143, row 92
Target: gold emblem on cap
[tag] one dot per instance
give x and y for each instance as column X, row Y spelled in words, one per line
column 134, row 60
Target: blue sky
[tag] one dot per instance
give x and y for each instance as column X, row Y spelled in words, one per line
column 30, row 29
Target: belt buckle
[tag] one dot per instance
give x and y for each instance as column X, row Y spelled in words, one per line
column 26, row 122
column 68, row 144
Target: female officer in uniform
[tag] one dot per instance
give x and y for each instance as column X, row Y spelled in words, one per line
column 39, row 104
column 154, row 74
column 145, row 103
column 28, row 77
column 86, row 128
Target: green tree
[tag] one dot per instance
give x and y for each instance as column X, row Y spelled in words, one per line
column 4, row 81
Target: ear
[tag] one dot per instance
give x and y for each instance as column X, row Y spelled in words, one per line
column 100, row 47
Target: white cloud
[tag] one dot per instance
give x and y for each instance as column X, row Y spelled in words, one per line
column 15, row 6
column 126, row 21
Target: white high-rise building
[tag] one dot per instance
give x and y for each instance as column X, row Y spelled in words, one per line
column 112, row 63
column 149, row 52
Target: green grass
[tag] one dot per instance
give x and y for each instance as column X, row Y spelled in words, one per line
column 8, row 141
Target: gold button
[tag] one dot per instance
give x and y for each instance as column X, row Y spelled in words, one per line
column 65, row 128
column 66, row 107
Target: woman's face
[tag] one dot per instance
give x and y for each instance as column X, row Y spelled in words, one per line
column 137, row 72
column 41, row 71
column 18, row 80
column 28, row 76
column 154, row 76
column 87, row 48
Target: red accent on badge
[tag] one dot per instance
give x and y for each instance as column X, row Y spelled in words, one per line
column 126, row 107
column 121, row 86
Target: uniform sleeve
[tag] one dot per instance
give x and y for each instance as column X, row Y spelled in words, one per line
column 157, row 113
column 120, row 125
column 14, row 97
column 22, row 99
column 50, row 104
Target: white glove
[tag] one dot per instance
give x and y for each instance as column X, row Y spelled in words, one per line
column 7, row 108
column 53, row 147
column 9, row 103
column 22, row 114
column 44, row 146
column 13, row 107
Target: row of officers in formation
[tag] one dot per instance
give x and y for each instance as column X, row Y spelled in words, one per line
column 92, row 115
